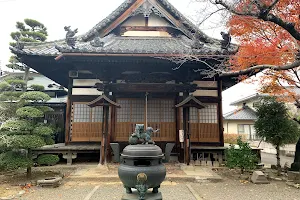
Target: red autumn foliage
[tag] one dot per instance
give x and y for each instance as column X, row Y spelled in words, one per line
column 266, row 43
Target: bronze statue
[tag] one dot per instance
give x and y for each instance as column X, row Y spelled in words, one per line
column 140, row 135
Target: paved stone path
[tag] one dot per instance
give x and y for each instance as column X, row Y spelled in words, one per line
column 96, row 191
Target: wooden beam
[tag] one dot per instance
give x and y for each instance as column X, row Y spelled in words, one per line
column 153, row 55
column 220, row 113
column 122, row 18
column 164, row 12
column 68, row 112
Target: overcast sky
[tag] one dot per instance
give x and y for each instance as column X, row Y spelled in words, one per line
column 55, row 14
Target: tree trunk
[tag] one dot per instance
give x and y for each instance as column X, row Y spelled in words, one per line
column 296, row 165
column 29, row 156
column 278, row 160
column 25, row 78
column 242, row 170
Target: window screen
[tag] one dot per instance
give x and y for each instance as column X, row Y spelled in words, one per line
column 132, row 110
column 209, row 114
column 83, row 113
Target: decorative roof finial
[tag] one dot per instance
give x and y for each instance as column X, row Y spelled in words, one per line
column 18, row 45
column 70, row 36
column 225, row 43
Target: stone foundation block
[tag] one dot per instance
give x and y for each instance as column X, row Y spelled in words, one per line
column 258, row 177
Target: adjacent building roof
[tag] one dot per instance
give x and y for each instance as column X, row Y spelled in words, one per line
column 244, row 113
column 248, row 98
column 292, row 89
column 38, row 79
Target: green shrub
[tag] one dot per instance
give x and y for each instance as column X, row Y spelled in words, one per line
column 43, row 131
column 241, row 157
column 16, row 83
column 231, row 138
column 16, row 126
column 29, row 112
column 45, row 109
column 49, row 140
column 35, row 96
column 26, row 141
column 10, row 95
column 14, row 160
column 47, row 159
column 37, row 87
column 4, row 87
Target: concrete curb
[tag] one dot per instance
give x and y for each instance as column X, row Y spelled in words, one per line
column 194, row 193
column 20, row 193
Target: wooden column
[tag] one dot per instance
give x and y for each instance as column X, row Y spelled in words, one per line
column 186, row 116
column 179, row 150
column 68, row 112
column 220, row 112
column 186, row 131
column 103, row 152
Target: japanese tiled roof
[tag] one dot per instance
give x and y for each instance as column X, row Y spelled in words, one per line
column 244, row 113
column 119, row 44
column 127, row 3
column 112, row 44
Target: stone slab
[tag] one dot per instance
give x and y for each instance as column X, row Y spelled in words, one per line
column 292, row 176
column 149, row 196
column 258, row 177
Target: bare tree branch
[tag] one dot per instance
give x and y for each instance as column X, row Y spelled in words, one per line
column 264, row 14
column 261, row 67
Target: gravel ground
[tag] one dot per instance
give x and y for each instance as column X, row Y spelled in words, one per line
column 226, row 190
column 80, row 191
column 233, row 189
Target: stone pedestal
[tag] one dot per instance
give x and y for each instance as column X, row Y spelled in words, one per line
column 149, row 196
column 258, row 177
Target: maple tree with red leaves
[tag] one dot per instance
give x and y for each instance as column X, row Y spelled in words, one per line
column 268, row 34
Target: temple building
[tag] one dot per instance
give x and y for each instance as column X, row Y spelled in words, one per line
column 136, row 63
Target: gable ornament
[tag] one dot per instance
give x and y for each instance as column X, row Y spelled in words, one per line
column 70, row 36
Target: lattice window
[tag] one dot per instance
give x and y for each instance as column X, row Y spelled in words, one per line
column 132, row 110
column 209, row 114
column 168, row 111
column 97, row 114
column 137, row 110
column 194, row 115
column 204, row 115
column 153, row 111
column 81, row 113
column 161, row 111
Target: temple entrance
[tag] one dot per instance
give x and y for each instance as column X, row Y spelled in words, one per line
column 160, row 115
column 86, row 123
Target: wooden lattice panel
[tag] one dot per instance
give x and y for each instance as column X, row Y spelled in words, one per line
column 86, row 124
column 204, row 124
column 161, row 115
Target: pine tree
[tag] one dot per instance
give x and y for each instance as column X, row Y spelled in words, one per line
column 24, row 129
column 273, row 124
column 29, row 31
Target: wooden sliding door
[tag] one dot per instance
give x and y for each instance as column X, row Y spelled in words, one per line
column 132, row 112
column 204, row 124
column 160, row 115
column 86, row 124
